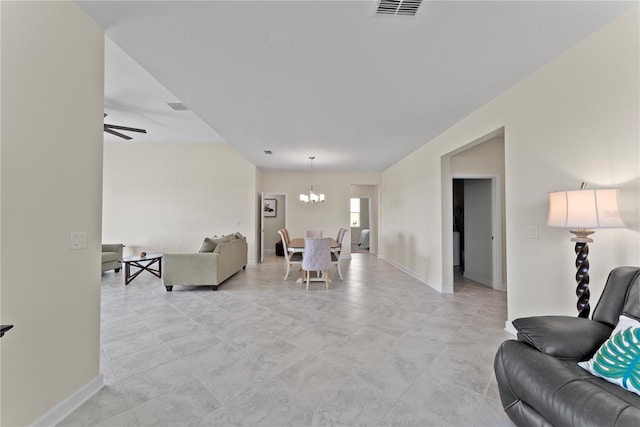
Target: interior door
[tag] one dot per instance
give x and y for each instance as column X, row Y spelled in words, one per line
column 478, row 231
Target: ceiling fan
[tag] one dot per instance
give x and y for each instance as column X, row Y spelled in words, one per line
column 110, row 129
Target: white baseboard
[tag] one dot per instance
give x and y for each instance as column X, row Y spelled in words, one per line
column 508, row 326
column 62, row 410
column 407, row 271
column 399, row 267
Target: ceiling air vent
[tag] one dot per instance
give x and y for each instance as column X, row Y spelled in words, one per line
column 178, row 106
column 398, row 7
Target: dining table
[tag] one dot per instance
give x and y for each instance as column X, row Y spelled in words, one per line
column 297, row 245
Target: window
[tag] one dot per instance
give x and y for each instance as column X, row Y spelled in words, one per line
column 355, row 212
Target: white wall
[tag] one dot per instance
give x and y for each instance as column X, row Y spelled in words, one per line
column 574, row 120
column 52, row 60
column 364, row 210
column 168, row 197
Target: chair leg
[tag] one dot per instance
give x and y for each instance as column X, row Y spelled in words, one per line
column 339, row 271
column 308, row 274
column 326, row 279
column 288, row 269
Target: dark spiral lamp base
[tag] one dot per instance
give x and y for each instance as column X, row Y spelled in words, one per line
column 582, row 271
column 582, row 278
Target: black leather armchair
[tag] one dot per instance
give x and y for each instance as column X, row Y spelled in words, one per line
column 539, row 381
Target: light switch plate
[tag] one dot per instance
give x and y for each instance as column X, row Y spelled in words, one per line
column 532, row 232
column 78, row 240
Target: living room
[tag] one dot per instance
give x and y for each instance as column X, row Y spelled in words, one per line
column 575, row 119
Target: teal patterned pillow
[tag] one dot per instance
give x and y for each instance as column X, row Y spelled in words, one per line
column 618, row 359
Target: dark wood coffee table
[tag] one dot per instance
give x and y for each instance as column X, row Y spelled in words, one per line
column 144, row 264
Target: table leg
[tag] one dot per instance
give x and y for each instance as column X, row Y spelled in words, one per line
column 128, row 277
column 127, row 273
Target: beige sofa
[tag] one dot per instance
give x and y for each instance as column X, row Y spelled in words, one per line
column 111, row 256
column 218, row 259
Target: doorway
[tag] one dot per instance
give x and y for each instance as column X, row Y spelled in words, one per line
column 473, row 233
column 367, row 194
column 481, row 159
column 360, row 224
column 273, row 217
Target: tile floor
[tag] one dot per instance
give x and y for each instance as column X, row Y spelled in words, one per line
column 377, row 349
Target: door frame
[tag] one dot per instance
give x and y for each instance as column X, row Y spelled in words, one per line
column 496, row 224
column 369, row 218
column 373, row 192
column 284, row 209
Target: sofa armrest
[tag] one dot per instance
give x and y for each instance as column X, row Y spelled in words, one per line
column 190, row 269
column 116, row 247
column 564, row 337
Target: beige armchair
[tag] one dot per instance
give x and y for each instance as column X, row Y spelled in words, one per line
column 111, row 256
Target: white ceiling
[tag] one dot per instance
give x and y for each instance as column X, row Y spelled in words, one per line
column 324, row 78
column 133, row 98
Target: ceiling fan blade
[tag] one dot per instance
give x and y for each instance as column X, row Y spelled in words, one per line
column 113, row 132
column 125, row 128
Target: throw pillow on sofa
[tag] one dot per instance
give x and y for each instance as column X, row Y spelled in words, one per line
column 207, row 246
column 210, row 244
column 222, row 239
column 618, row 359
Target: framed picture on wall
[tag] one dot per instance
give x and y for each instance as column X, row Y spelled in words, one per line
column 270, row 207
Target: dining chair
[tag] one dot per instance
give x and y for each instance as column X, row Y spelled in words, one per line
column 285, row 233
column 337, row 255
column 291, row 258
column 317, row 257
column 313, row 233
column 339, row 238
column 341, row 234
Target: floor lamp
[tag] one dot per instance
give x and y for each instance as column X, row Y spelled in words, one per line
column 580, row 210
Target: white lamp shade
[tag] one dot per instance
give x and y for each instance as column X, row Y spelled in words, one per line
column 597, row 208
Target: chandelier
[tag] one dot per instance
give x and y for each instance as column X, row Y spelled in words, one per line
column 311, row 197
